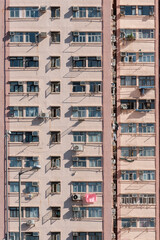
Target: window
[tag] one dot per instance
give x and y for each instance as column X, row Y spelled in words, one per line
column 128, row 80
column 128, row 104
column 127, row 10
column 94, row 187
column 55, row 37
column 55, row 87
column 55, row 12
column 55, row 62
column 95, row 235
column 146, row 104
column 14, row 212
column 146, row 33
column 94, row 137
column 94, row 37
column 55, row 112
column 16, row 86
column 146, row 57
column 79, row 236
column 55, row 236
column 78, row 87
column 14, row 12
column 146, row 10
column 147, row 151
column 128, row 175
column 129, row 222
column 79, row 136
column 56, row 162
column 94, row 112
column 79, row 112
column 79, row 36
column 55, row 187
column 128, row 128
column 27, row 62
column 79, row 162
column 128, row 34
column 95, row 162
column 147, row 175
column 94, row 62
column 95, row 87
column 95, row 212
column 15, row 162
column 79, row 12
column 129, row 199
column 147, row 222
column 31, row 162
column 16, row 137
column 128, row 151
column 31, row 111
column 32, row 86
column 79, row 212
column 14, row 236
column 31, row 37
column 55, row 137
column 79, row 62
column 16, row 111
column 79, row 186
column 32, row 212
column 94, row 12
column 32, row 236
column 147, row 199
column 128, row 57
column 31, row 187
column 14, row 187
column 146, row 81
column 146, row 127
column 31, row 137
column 31, row 12
column 56, row 212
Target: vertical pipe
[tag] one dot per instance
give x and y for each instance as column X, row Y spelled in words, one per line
column 6, row 138
column 19, row 205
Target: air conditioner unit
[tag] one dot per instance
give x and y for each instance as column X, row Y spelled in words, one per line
column 82, row 83
column 42, row 115
column 35, row 184
column 36, row 83
column 43, row 9
column 35, row 58
column 122, row 13
column 113, row 235
column 30, row 222
column 75, row 234
column 113, row 211
column 98, row 108
column 75, row 34
column 43, row 34
column 114, row 161
column 75, row 9
column 113, row 63
column 124, row 106
column 35, row 133
column 30, row 196
column 19, row 158
column 20, row 83
column 78, row 147
column 98, row 8
column 151, row 14
column 113, row 38
column 123, row 54
column 114, row 17
column 76, row 197
column 75, row 58
column 76, row 209
column 98, row 58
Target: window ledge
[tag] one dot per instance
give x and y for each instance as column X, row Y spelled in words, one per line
column 89, row 69
column 137, row 205
column 53, row 68
column 24, row 143
column 54, row 18
column 88, row 219
column 54, row 92
column 23, row 93
column 19, row 19
column 55, row 218
column 94, row 169
column 86, row 43
column 52, row 43
column 138, row 181
column 55, row 193
column 21, row 118
column 22, row 44
column 24, row 69
column 98, row 19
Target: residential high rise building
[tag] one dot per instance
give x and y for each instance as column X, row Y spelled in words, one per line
column 80, row 102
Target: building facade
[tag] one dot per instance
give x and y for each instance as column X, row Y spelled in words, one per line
column 80, row 99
